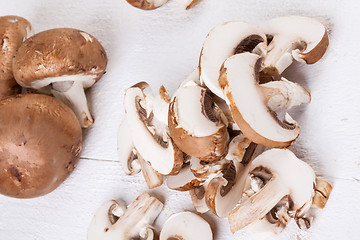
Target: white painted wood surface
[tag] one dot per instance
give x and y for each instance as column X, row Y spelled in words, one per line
column 162, row 47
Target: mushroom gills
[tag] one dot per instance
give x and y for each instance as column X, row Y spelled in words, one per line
column 186, row 225
column 238, row 80
column 128, row 223
column 73, row 95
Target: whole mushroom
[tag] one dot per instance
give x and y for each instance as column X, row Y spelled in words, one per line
column 40, row 144
column 13, row 31
column 64, row 61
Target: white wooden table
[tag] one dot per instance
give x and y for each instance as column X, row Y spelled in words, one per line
column 162, row 47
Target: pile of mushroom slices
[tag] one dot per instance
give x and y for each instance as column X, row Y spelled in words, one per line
column 41, row 137
column 114, row 221
column 208, row 138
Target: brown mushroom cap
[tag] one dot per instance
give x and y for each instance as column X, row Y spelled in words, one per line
column 40, row 144
column 147, row 4
column 58, row 52
column 13, row 31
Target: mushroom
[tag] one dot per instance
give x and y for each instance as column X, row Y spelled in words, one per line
column 186, row 225
column 185, row 180
column 238, row 80
column 196, row 124
column 13, row 31
column 191, row 3
column 224, row 41
column 225, row 191
column 282, row 175
column 64, row 61
column 147, row 4
column 131, row 160
column 293, row 37
column 152, row 140
column 114, row 221
column 205, row 170
column 322, row 193
column 198, row 198
column 40, row 144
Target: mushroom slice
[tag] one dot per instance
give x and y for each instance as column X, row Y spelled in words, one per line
column 205, row 170
column 114, row 221
column 185, row 180
column 283, row 174
column 13, row 31
column 152, row 178
column 198, row 198
column 63, row 61
column 147, row 4
column 302, row 38
column 225, row 191
column 197, row 125
column 322, row 193
column 40, row 144
column 191, row 3
column 126, row 150
column 224, row 41
column 283, row 94
column 152, row 139
column 186, row 225
column 238, row 79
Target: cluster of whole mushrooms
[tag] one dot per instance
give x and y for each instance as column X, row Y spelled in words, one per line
column 41, row 136
column 219, row 135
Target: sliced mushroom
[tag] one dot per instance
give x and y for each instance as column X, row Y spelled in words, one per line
column 293, row 37
column 64, row 61
column 13, row 31
column 224, row 41
column 197, row 125
column 185, row 180
column 152, row 139
column 225, row 191
column 205, row 170
column 186, row 225
column 283, row 94
column 282, row 174
column 322, row 193
column 147, row 4
column 191, row 3
column 238, row 79
column 126, row 150
column 152, row 178
column 114, row 221
column 198, row 198
column 40, row 144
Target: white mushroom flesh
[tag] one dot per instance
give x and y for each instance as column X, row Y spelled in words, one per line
column 126, row 151
column 221, row 43
column 289, row 177
column 186, row 225
column 161, row 156
column 289, row 34
column 184, row 180
column 241, row 90
column 73, row 96
column 111, row 224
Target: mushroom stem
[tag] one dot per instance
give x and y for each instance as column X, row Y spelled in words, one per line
column 152, row 178
column 257, row 206
column 283, row 94
column 75, row 98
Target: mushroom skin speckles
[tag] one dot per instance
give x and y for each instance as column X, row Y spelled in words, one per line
column 13, row 31
column 40, row 145
column 64, row 61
